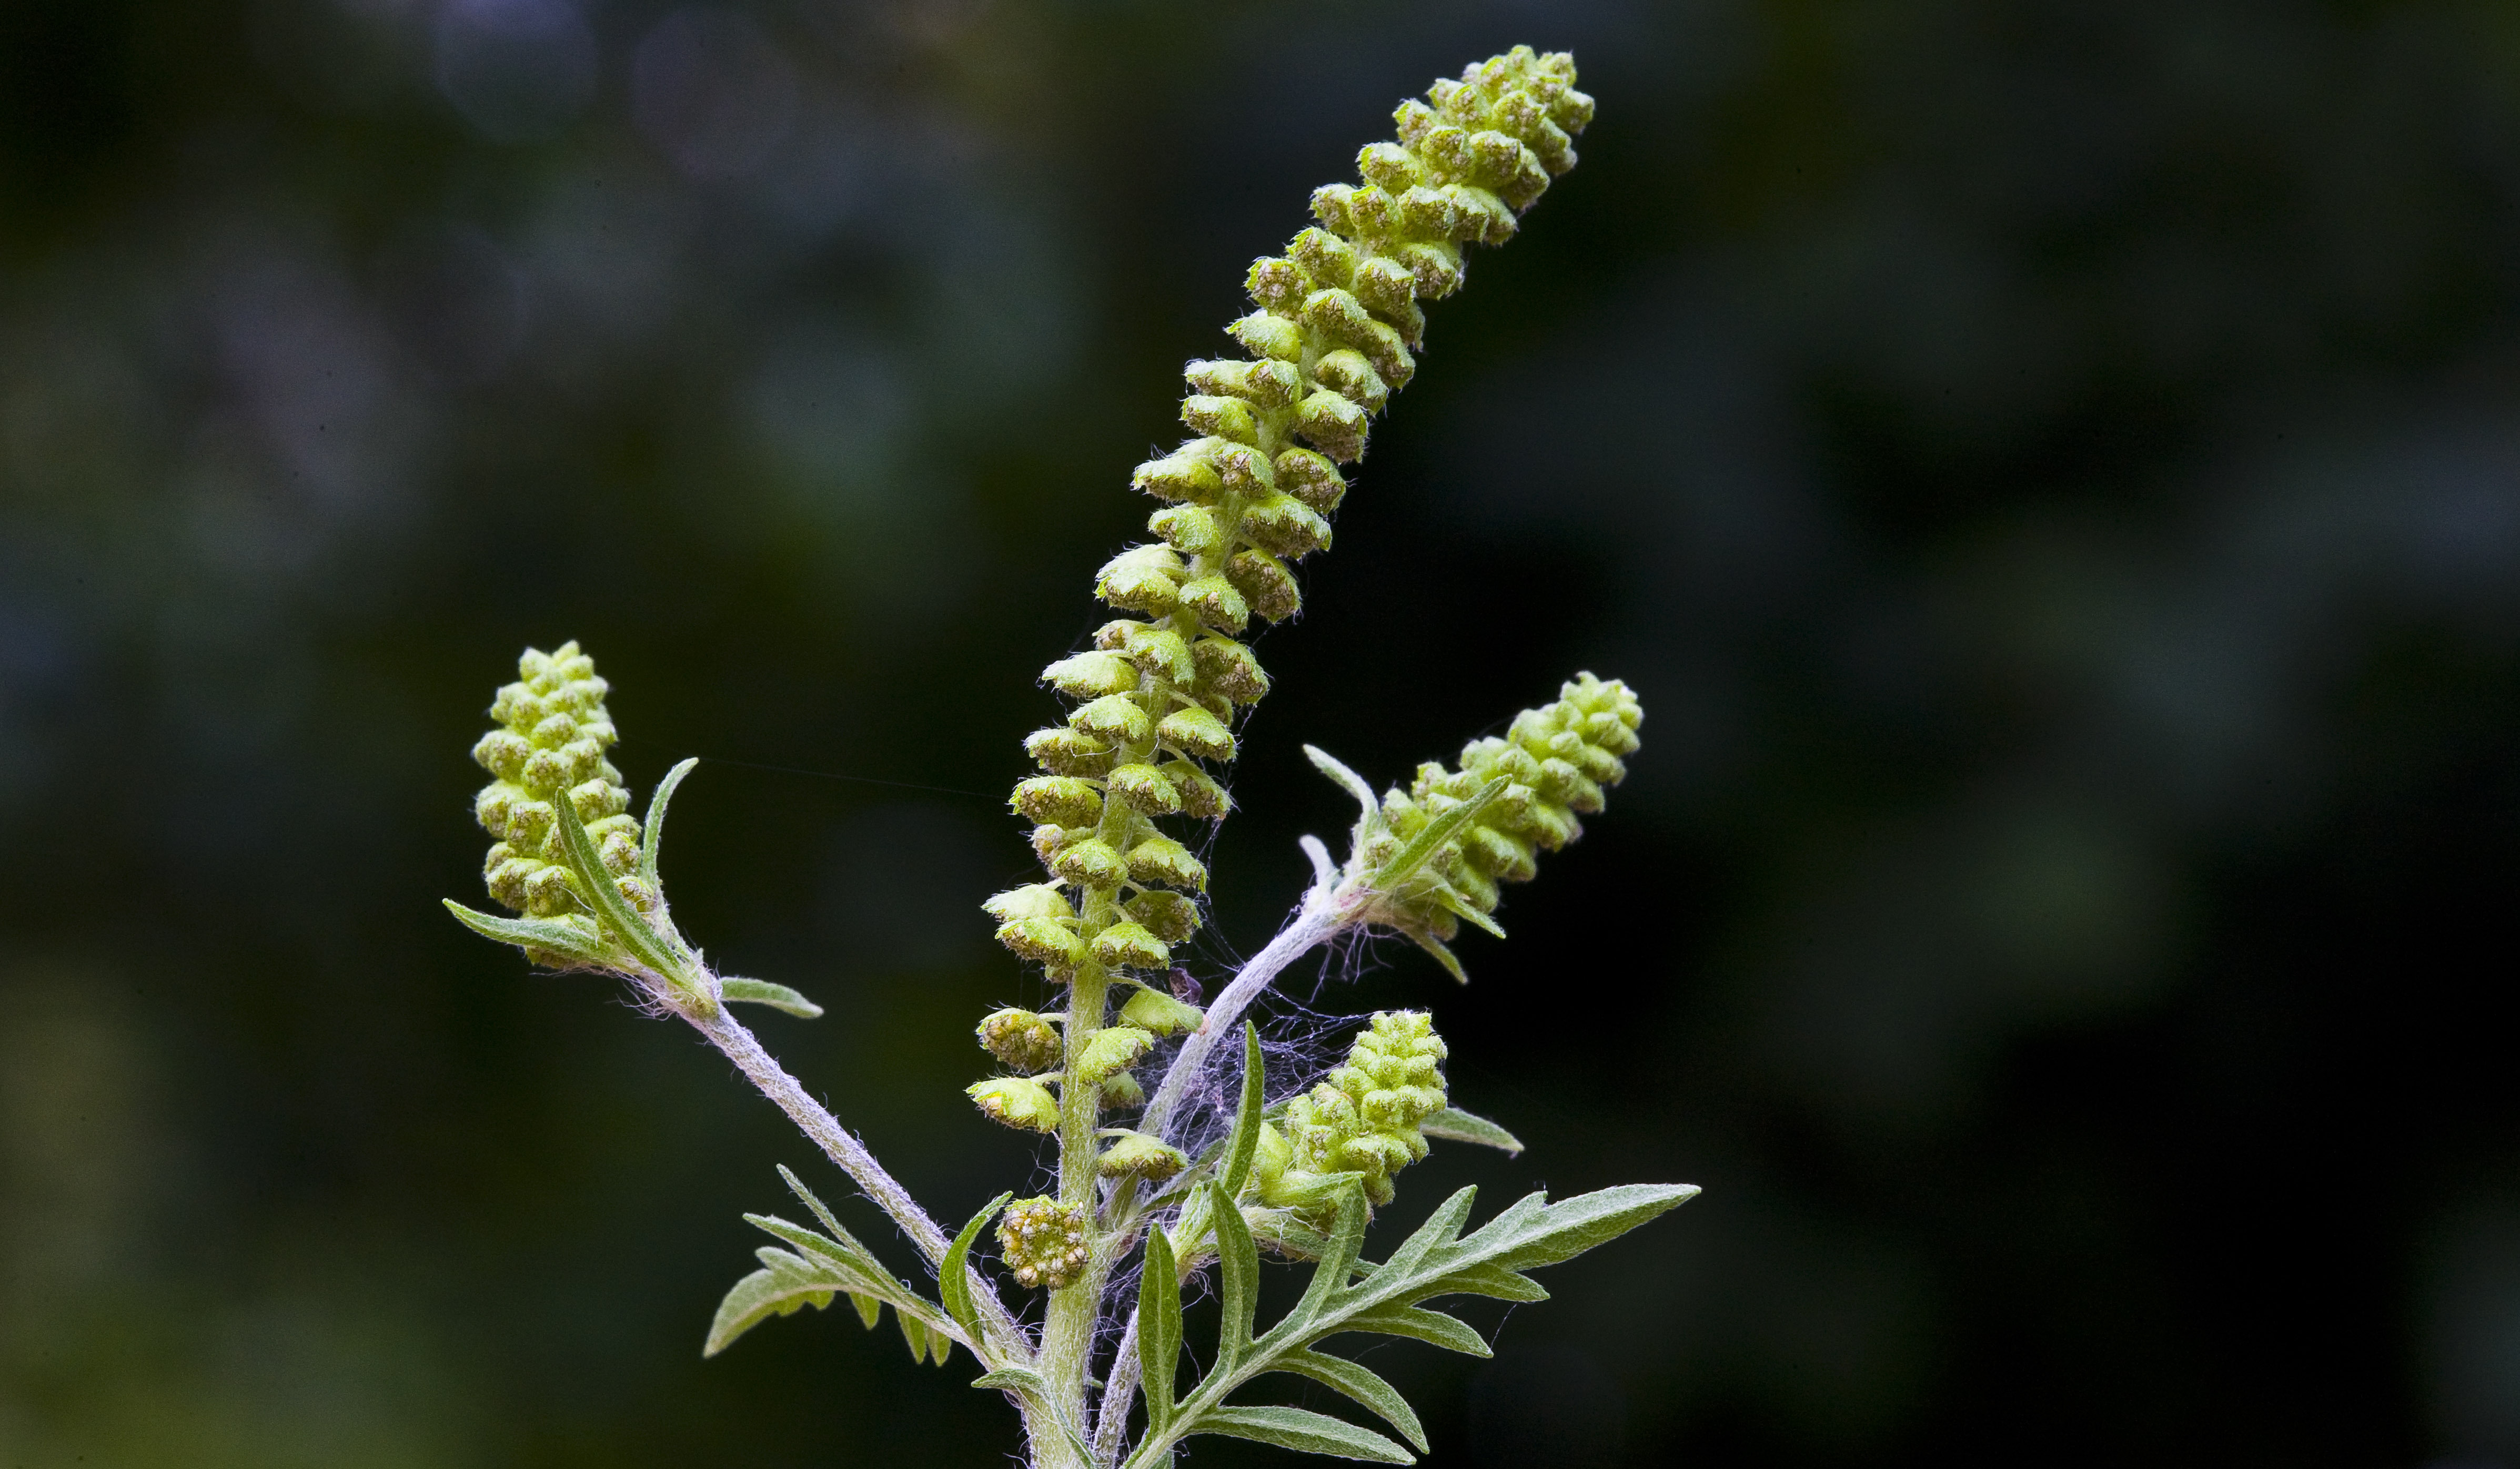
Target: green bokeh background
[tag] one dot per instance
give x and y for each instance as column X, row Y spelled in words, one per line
column 2052, row 470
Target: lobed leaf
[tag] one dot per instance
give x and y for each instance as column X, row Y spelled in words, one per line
column 1453, row 1125
column 654, row 840
column 1159, row 1332
column 548, row 935
column 1305, row 1432
column 763, row 992
column 1361, row 1385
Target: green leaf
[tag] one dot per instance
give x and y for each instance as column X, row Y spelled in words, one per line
column 1431, row 1326
column 763, row 992
column 1159, row 1332
column 787, row 1285
column 1355, row 786
column 1361, row 1387
column 1494, row 1280
column 618, row 917
column 1239, row 1291
column 1431, row 837
column 1305, row 1433
column 655, row 840
column 914, row 1332
column 1577, row 1224
column 1013, row 1380
column 1451, row 898
column 870, row 1310
column 1442, row 956
column 1441, row 1229
column 548, row 934
column 953, row 1283
column 1453, row 1125
column 1337, row 1262
column 1246, row 1117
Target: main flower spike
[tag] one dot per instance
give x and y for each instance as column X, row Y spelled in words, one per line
column 555, row 730
column 1364, row 1118
column 1335, row 324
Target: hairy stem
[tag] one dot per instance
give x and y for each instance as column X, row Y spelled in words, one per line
column 842, row 1147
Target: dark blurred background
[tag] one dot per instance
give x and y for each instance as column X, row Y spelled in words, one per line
column 2052, row 468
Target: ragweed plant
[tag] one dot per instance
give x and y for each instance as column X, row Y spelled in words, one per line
column 1142, row 1206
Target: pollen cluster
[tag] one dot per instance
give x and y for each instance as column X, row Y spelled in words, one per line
column 550, row 746
column 1042, row 1242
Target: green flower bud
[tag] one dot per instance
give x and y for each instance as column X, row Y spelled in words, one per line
column 1186, row 474
column 1311, row 479
column 1145, row 789
column 1129, row 946
column 1020, row 1039
column 1285, row 527
column 1267, row 586
column 1159, row 652
column 1161, row 860
column 1044, row 1242
column 1160, row 1014
column 1190, row 529
column 1196, row 732
column 1346, row 373
column 1145, row 579
column 1037, row 899
column 1216, row 601
column 1091, row 863
column 1044, row 941
column 1134, row 1155
column 1069, row 752
column 1227, row 667
column 1115, row 717
column 1169, row 917
column 1109, row 1052
column 1091, row 675
column 1122, row 1094
column 1062, row 800
column 1200, row 795
column 1270, row 335
column 1223, row 417
column 1017, row 1101
column 1335, row 425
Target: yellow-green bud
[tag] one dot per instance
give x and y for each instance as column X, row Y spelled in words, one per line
column 1169, row 917
column 1022, row 1040
column 1068, row 752
column 1122, row 1094
column 1044, row 1242
column 1134, row 1155
column 1037, row 899
column 1092, row 862
column 1017, row 1101
column 1158, row 1013
column 1145, row 789
column 1115, row 717
column 1091, row 674
column 1060, row 800
column 1162, row 860
column 1129, row 946
column 1044, row 941
column 1146, row 579
column 1267, row 587
column 1200, row 795
column 1196, row 732
column 1108, row 1052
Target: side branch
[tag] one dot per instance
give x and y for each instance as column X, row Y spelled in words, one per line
column 730, row 1036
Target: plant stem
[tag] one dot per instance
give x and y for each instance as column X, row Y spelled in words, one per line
column 842, row 1147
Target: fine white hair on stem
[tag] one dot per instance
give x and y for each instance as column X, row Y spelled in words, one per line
column 1320, row 919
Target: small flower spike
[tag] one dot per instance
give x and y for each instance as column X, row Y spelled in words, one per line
column 554, row 731
column 1363, row 1118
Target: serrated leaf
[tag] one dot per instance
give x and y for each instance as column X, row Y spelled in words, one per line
column 1159, row 1332
column 1568, row 1229
column 953, row 1283
column 1430, row 1326
column 1494, row 1281
column 655, row 840
column 1246, row 1117
column 1431, row 837
column 763, row 992
column 787, row 1285
column 546, row 934
column 619, row 919
column 1441, row 1229
column 1240, row 1290
column 1453, row 1125
column 1305, row 1433
column 1361, row 1387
